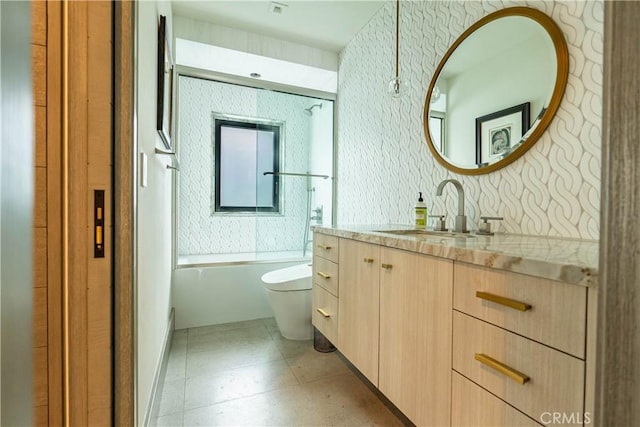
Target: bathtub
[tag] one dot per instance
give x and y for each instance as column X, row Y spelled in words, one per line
column 215, row 289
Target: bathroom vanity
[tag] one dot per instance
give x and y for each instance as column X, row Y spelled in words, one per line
column 462, row 329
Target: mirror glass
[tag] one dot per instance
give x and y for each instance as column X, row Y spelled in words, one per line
column 495, row 91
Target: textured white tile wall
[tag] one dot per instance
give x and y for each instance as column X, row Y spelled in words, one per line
column 383, row 160
column 200, row 232
column 258, row 44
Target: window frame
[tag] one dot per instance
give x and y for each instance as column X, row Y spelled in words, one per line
column 441, row 117
column 256, row 124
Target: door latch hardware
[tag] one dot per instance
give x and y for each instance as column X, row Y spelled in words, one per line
column 98, row 223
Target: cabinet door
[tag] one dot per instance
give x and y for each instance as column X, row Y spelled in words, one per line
column 474, row 406
column 416, row 294
column 555, row 379
column 324, row 314
column 358, row 305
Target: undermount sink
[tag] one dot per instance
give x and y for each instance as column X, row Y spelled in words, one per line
column 425, row 233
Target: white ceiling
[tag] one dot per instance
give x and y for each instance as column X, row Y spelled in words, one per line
column 328, row 25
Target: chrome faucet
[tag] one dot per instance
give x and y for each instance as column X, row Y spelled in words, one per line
column 461, row 219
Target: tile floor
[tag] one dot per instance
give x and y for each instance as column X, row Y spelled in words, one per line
column 246, row 374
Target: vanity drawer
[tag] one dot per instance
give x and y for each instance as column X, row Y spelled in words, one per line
column 325, row 274
column 474, row 406
column 556, row 315
column 326, row 246
column 556, row 379
column 325, row 313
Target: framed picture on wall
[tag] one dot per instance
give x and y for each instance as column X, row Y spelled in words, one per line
column 165, row 84
column 500, row 132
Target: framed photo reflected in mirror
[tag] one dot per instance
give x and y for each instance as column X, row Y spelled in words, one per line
column 497, row 134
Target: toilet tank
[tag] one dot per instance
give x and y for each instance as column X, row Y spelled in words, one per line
column 296, row 278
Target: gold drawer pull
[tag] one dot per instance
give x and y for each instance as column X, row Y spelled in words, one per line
column 325, row 247
column 323, row 275
column 324, row 313
column 386, row 266
column 521, row 306
column 518, row 377
column 368, row 260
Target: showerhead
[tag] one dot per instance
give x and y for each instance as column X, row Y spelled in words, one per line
column 309, row 111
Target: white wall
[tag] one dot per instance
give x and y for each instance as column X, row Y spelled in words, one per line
column 243, row 41
column 153, row 220
column 16, row 215
column 383, row 160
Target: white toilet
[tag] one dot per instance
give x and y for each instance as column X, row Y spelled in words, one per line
column 289, row 292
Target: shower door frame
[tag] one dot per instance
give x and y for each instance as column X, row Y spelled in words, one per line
column 181, row 70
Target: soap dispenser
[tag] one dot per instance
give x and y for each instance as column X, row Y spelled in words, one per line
column 420, row 213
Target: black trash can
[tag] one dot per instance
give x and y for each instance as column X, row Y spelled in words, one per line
column 321, row 343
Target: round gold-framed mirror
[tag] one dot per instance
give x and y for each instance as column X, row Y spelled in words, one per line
column 496, row 91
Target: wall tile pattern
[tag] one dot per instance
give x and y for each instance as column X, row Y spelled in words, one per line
column 383, row 160
column 200, row 232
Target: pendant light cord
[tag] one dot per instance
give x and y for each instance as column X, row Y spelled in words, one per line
column 397, row 37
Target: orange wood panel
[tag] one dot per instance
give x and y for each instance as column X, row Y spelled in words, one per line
column 41, row 392
column 40, row 258
column 99, row 356
column 40, row 292
column 54, row 210
column 41, row 418
column 39, row 72
column 41, row 136
column 99, row 176
column 40, row 206
column 40, row 317
column 39, row 22
column 75, row 282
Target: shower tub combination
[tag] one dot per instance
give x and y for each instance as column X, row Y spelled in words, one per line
column 211, row 289
column 223, row 288
column 232, row 287
column 214, row 289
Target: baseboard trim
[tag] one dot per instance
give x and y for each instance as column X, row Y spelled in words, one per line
column 153, row 409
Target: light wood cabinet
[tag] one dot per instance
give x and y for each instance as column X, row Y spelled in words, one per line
column 326, row 246
column 325, row 274
column 359, row 305
column 324, row 315
column 509, row 327
column 415, row 335
column 555, row 380
column 474, row 406
column 551, row 312
column 395, row 326
column 429, row 333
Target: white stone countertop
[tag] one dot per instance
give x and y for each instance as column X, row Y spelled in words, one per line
column 567, row 260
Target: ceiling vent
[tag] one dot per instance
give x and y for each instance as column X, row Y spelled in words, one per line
column 277, row 8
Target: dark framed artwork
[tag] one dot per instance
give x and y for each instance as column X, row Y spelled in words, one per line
column 497, row 134
column 165, row 84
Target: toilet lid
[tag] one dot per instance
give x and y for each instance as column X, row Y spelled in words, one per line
column 287, row 275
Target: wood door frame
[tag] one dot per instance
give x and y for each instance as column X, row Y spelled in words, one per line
column 618, row 347
column 87, row 117
column 124, row 215
column 79, row 139
column 54, row 213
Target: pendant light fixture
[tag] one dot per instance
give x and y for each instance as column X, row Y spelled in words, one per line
column 396, row 87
